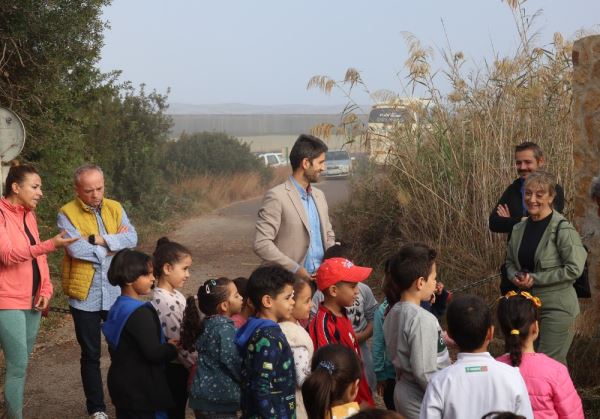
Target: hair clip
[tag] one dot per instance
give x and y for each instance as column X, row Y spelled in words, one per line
column 515, row 332
column 534, row 300
column 327, row 365
column 208, row 284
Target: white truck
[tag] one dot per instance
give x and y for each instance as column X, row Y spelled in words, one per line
column 386, row 118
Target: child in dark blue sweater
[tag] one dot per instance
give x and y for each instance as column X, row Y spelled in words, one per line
column 268, row 374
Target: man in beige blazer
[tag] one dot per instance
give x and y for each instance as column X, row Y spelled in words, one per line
column 293, row 229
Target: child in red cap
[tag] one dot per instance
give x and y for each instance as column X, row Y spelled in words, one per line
column 338, row 278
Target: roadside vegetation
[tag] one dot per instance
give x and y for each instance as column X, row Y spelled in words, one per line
column 445, row 173
column 74, row 113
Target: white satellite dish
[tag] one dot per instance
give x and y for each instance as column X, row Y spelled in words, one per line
column 12, row 140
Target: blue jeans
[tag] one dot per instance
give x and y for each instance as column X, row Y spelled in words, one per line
column 18, row 330
column 88, row 332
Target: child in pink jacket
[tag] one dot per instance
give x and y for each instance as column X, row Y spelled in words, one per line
column 549, row 385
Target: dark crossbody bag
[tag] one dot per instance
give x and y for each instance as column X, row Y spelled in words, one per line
column 581, row 284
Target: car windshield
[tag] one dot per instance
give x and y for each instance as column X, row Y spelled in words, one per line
column 337, row 155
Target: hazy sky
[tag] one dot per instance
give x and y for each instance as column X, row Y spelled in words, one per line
column 265, row 51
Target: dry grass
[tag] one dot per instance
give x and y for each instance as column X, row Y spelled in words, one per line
column 205, row 193
column 444, row 175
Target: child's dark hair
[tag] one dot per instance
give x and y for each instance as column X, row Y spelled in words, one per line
column 267, row 280
column 469, row 319
column 502, row 415
column 205, row 303
column 516, row 314
column 374, row 413
column 412, row 261
column 241, row 284
column 167, row 252
column 299, row 284
column 338, row 250
column 334, row 367
column 127, row 266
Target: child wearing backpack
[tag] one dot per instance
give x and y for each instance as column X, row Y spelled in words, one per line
column 137, row 382
column 215, row 387
column 548, row 382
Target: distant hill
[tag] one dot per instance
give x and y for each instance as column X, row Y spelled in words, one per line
column 245, row 109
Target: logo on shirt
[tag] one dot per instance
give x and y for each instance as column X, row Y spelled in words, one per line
column 482, row 368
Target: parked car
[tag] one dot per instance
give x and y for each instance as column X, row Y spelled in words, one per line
column 337, row 164
column 272, row 159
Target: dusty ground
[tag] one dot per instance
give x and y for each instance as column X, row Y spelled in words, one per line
column 221, row 246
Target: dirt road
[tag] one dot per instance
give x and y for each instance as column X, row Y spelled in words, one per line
column 221, row 245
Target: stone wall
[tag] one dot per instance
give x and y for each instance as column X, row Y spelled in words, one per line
column 586, row 147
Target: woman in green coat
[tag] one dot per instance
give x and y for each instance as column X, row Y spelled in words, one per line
column 545, row 256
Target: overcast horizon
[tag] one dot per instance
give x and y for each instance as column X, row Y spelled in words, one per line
column 263, row 53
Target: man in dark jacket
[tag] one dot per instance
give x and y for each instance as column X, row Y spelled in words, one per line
column 511, row 209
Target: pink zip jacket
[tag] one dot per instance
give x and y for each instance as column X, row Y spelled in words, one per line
column 16, row 253
column 549, row 385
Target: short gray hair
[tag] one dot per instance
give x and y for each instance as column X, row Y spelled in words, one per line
column 543, row 179
column 88, row 167
column 595, row 188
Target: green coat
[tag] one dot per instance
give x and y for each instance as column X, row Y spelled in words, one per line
column 559, row 261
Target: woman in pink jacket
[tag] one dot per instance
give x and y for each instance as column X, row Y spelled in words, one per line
column 548, row 382
column 25, row 287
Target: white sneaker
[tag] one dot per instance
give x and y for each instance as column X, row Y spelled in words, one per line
column 98, row 415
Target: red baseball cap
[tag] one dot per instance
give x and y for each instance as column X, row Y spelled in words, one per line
column 335, row 270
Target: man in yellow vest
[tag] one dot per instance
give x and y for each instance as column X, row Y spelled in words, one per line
column 104, row 228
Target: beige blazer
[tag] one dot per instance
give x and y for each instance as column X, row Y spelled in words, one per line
column 282, row 230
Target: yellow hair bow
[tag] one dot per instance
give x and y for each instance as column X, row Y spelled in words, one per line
column 534, row 300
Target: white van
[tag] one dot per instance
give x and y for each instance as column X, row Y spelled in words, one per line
column 272, row 159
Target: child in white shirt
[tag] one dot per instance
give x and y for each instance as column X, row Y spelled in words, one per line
column 476, row 383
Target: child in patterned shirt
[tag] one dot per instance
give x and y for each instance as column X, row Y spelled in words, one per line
column 172, row 263
column 215, row 388
column 299, row 339
column 268, row 374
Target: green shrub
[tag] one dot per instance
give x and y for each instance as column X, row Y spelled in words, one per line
column 211, row 153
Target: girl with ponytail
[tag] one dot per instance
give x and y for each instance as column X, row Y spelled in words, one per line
column 549, row 385
column 208, row 327
column 330, row 389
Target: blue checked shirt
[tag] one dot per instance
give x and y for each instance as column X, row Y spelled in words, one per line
column 102, row 295
column 315, row 253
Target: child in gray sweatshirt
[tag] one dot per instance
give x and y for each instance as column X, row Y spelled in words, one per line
column 413, row 335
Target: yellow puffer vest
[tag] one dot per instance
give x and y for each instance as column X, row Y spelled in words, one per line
column 77, row 274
